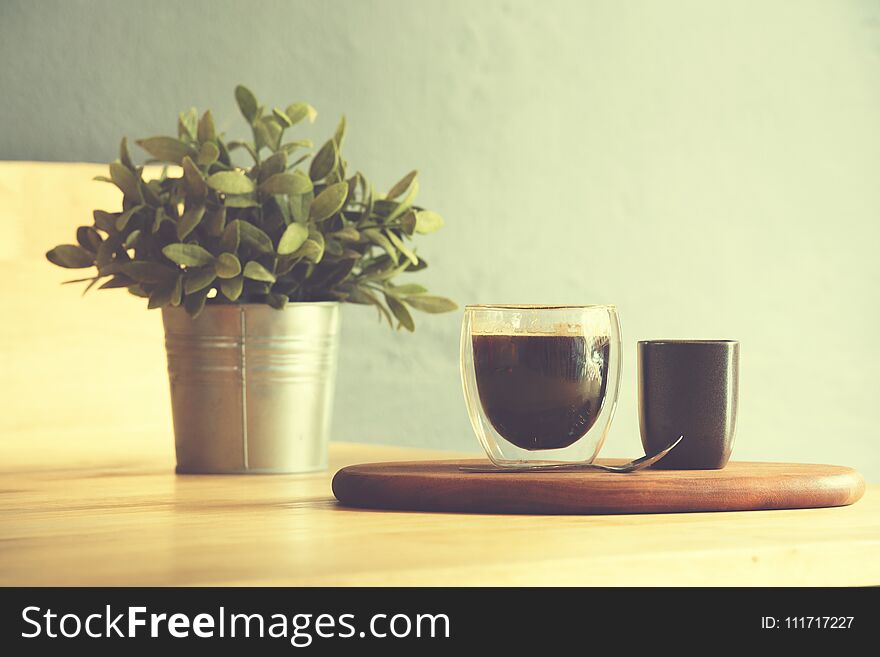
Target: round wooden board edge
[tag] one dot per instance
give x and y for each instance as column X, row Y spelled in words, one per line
column 359, row 486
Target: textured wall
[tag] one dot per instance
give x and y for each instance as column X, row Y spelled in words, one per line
column 710, row 167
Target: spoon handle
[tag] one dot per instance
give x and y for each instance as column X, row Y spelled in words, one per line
column 546, row 467
column 632, row 466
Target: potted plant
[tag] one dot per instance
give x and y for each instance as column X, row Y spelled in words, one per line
column 249, row 266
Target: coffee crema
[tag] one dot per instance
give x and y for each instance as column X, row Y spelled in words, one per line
column 541, row 390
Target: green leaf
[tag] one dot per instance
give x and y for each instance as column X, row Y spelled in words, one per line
column 158, row 218
column 254, row 237
column 189, row 221
column 362, row 296
column 386, row 274
column 194, row 303
column 166, row 149
column 247, row 103
column 423, row 264
column 329, row 275
column 316, row 235
column 339, row 135
column 283, row 119
column 402, row 185
column 299, row 206
column 224, row 154
column 291, row 146
column 277, row 301
column 109, row 266
column 232, row 201
column 106, row 221
column 198, row 279
column 187, row 122
column 311, row 251
column 177, row 292
column 224, row 158
column 262, row 138
column 267, row 134
column 231, row 288
column 151, row 191
column 299, row 111
column 324, row 162
column 257, row 272
column 208, row 154
column 329, row 202
column 287, row 183
column 164, row 293
column 429, row 304
column 70, row 256
column 124, row 156
column 116, row 282
column 406, row 203
column 228, row 265
column 375, row 265
column 401, row 313
column 347, row 234
column 215, row 221
column 333, row 247
column 293, row 238
column 192, row 177
column 231, row 236
column 190, row 255
column 123, row 219
column 383, row 207
column 409, row 289
column 377, row 238
column 284, row 264
column 159, row 297
column 231, row 182
column 206, row 131
column 403, row 248
column 428, row 222
column 132, row 239
column 126, row 181
column 147, row 272
column 408, row 223
column 365, row 296
column 275, row 163
column 104, row 255
column 88, row 238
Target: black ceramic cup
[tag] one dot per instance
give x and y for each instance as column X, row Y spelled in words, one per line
column 689, row 388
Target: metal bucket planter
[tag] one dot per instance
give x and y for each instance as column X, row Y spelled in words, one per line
column 252, row 387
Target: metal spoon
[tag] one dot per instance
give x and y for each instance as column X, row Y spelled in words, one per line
column 632, row 466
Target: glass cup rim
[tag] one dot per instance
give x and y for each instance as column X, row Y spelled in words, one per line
column 527, row 306
column 687, row 342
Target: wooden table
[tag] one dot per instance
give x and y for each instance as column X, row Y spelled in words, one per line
column 124, row 518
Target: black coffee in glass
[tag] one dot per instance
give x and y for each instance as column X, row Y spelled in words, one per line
column 541, row 391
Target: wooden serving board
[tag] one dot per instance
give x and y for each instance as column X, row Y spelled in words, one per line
column 741, row 486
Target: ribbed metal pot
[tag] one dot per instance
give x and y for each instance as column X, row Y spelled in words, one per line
column 252, row 387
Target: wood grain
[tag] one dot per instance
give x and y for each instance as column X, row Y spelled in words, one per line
column 743, row 486
column 127, row 519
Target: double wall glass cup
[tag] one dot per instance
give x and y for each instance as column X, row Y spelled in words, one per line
column 540, row 382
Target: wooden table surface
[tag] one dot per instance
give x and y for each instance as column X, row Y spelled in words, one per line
column 125, row 518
